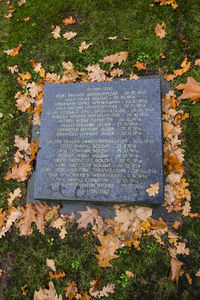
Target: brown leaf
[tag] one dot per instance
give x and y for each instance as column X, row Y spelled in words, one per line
column 22, row 144
column 133, row 76
column 176, row 225
column 44, row 294
column 35, row 88
column 191, row 89
column 84, row 46
column 140, row 66
column 116, row 72
column 19, row 172
column 56, row 32
column 8, row 218
column 197, row 62
column 16, row 194
column 162, row 54
column 153, row 190
column 109, row 244
column 21, row 2
column 160, row 30
column 51, row 264
column 57, row 276
column 1, row 272
column 68, row 21
column 115, row 58
column 71, row 290
column 130, row 274
column 96, row 73
column 87, row 217
column 23, row 101
column 175, row 269
column 167, row 127
column 69, row 35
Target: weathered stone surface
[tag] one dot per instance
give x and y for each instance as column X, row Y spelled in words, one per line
column 101, row 142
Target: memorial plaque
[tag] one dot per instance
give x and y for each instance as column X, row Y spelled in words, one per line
column 101, row 142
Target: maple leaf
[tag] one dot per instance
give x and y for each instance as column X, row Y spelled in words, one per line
column 109, row 244
column 44, row 294
column 13, row 69
column 191, row 89
column 69, row 35
column 51, row 264
column 71, row 290
column 140, row 66
column 84, row 46
column 115, row 58
column 16, row 194
column 13, row 51
column 57, row 276
column 68, row 21
column 56, row 32
column 175, row 269
column 96, row 73
column 160, row 30
column 87, row 217
column 153, row 190
column 19, row 172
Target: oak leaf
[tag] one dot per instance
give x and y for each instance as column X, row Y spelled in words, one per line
column 96, row 73
column 57, row 276
column 175, row 269
column 153, row 190
column 87, row 217
column 160, row 30
column 140, row 66
column 16, row 194
column 71, row 290
column 197, row 62
column 116, row 72
column 84, row 46
column 167, row 127
column 176, row 224
column 162, row 54
column 115, row 58
column 56, row 32
column 44, row 294
column 68, row 65
column 109, row 244
column 60, row 224
column 19, row 172
column 68, row 21
column 25, row 76
column 191, row 89
column 23, row 101
column 13, row 51
column 8, row 218
column 69, row 35
column 51, row 264
column 22, row 144
column 133, row 76
column 35, row 88
column 198, row 273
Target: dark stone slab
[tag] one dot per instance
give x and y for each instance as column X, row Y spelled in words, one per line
column 100, row 142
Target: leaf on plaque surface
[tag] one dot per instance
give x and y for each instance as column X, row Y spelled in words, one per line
column 69, row 35
column 175, row 269
column 68, row 21
column 51, row 264
column 56, row 32
column 160, row 30
column 71, row 290
column 87, row 217
column 13, row 51
column 109, row 244
column 84, row 46
column 140, row 66
column 115, row 58
column 57, row 276
column 153, row 190
column 191, row 89
column 44, row 294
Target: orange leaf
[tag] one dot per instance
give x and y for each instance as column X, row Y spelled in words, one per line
column 160, row 30
column 162, row 54
column 176, row 225
column 57, row 276
column 140, row 66
column 68, row 21
column 71, row 290
column 23, row 290
column 189, row 278
column 25, row 76
column 191, row 89
column 13, row 51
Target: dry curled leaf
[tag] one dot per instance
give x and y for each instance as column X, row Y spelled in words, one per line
column 84, row 46
column 176, row 266
column 112, row 37
column 23, row 288
column 69, row 35
column 188, row 278
column 197, row 62
column 19, row 172
column 96, row 73
column 16, row 194
column 160, row 30
column 57, row 276
column 13, row 51
column 13, row 69
column 68, row 21
column 115, row 58
column 198, row 273
column 56, row 32
column 71, row 290
column 191, row 89
column 153, row 190
column 51, row 264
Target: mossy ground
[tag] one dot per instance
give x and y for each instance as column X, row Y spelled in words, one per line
column 23, row 259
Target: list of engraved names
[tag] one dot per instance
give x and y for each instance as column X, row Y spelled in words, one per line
column 98, row 137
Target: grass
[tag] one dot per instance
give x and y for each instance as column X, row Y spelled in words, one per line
column 23, row 259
